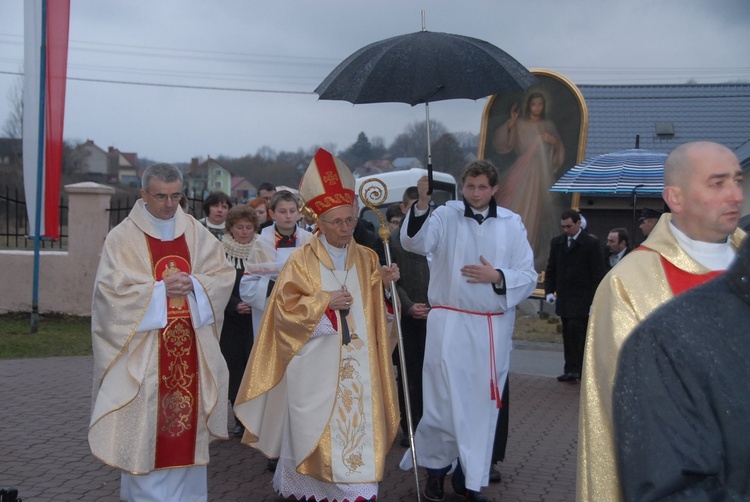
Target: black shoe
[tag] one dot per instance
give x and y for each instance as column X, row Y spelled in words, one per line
column 458, row 482
column 434, row 490
column 495, row 476
column 575, row 377
column 473, row 496
column 271, row 464
column 566, row 377
column 238, row 430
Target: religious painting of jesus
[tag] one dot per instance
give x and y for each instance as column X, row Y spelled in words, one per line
column 533, row 137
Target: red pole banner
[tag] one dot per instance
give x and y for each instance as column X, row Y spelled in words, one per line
column 51, row 43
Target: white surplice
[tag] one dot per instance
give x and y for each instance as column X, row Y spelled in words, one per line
column 263, row 266
column 459, row 416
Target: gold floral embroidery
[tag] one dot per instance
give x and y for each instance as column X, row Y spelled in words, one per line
column 177, row 404
column 351, row 420
column 347, row 371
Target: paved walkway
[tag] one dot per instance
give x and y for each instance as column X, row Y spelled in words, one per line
column 45, row 405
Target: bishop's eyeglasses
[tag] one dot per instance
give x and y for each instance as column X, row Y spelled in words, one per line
column 338, row 223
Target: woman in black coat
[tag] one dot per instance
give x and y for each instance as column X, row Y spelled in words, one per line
column 237, row 332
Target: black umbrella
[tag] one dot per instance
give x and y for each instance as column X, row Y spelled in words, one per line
column 423, row 67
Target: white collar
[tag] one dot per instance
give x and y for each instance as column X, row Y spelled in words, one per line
column 338, row 255
column 712, row 255
column 165, row 228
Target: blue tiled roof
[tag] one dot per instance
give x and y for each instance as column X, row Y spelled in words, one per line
column 713, row 112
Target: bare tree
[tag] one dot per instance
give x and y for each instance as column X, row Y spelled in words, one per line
column 13, row 127
column 413, row 141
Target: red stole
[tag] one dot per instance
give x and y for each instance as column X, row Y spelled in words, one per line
column 679, row 280
column 177, row 414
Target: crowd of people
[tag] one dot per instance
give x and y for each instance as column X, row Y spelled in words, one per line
column 285, row 306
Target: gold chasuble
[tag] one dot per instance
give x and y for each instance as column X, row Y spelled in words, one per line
column 177, row 414
column 159, row 394
column 646, row 278
column 343, row 421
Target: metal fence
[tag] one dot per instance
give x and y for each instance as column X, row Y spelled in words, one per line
column 14, row 222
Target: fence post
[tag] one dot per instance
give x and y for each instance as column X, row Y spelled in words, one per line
column 88, row 218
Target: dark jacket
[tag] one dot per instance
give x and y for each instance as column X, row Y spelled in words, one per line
column 681, row 410
column 608, row 254
column 365, row 235
column 574, row 273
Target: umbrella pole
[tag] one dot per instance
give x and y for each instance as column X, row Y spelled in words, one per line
column 371, row 197
column 429, row 150
column 635, row 199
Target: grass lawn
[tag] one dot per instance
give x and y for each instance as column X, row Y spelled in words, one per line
column 67, row 335
column 58, row 335
column 535, row 328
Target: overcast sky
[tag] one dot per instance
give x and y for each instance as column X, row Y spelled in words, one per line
column 275, row 53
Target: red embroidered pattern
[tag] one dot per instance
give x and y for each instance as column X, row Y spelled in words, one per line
column 177, row 415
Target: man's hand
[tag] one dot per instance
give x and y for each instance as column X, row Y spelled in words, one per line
column 483, row 273
column 551, row 299
column 389, row 274
column 340, row 300
column 423, row 186
column 419, row 311
column 244, row 308
column 179, row 284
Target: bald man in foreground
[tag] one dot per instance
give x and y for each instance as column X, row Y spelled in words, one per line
column 696, row 242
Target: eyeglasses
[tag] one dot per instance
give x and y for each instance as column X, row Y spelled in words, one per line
column 162, row 197
column 338, row 223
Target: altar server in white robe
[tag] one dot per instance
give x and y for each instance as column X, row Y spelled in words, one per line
column 270, row 251
column 481, row 267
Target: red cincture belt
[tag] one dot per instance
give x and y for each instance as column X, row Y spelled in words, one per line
column 495, row 394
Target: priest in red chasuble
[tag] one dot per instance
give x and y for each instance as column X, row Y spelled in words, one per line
column 160, row 381
column 696, row 242
column 319, row 390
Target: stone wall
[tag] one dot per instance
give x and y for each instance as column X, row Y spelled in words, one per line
column 66, row 278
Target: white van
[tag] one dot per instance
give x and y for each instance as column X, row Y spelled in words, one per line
column 444, row 188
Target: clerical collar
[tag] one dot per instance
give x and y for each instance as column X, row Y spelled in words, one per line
column 338, row 255
column 283, row 240
column 489, row 212
column 218, row 227
column 165, row 228
column 712, row 255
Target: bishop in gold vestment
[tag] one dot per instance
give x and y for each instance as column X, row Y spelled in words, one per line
column 319, row 390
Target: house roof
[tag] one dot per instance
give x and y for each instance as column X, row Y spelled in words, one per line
column 713, row 112
column 743, row 153
column 401, row 163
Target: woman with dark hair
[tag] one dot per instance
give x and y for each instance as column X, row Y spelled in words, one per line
column 525, row 188
column 215, row 207
column 263, row 210
column 237, row 331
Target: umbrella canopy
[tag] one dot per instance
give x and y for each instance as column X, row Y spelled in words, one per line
column 423, row 67
column 616, row 173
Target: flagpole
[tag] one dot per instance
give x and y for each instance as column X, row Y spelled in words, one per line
column 34, row 323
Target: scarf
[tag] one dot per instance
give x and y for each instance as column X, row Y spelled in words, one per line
column 237, row 253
